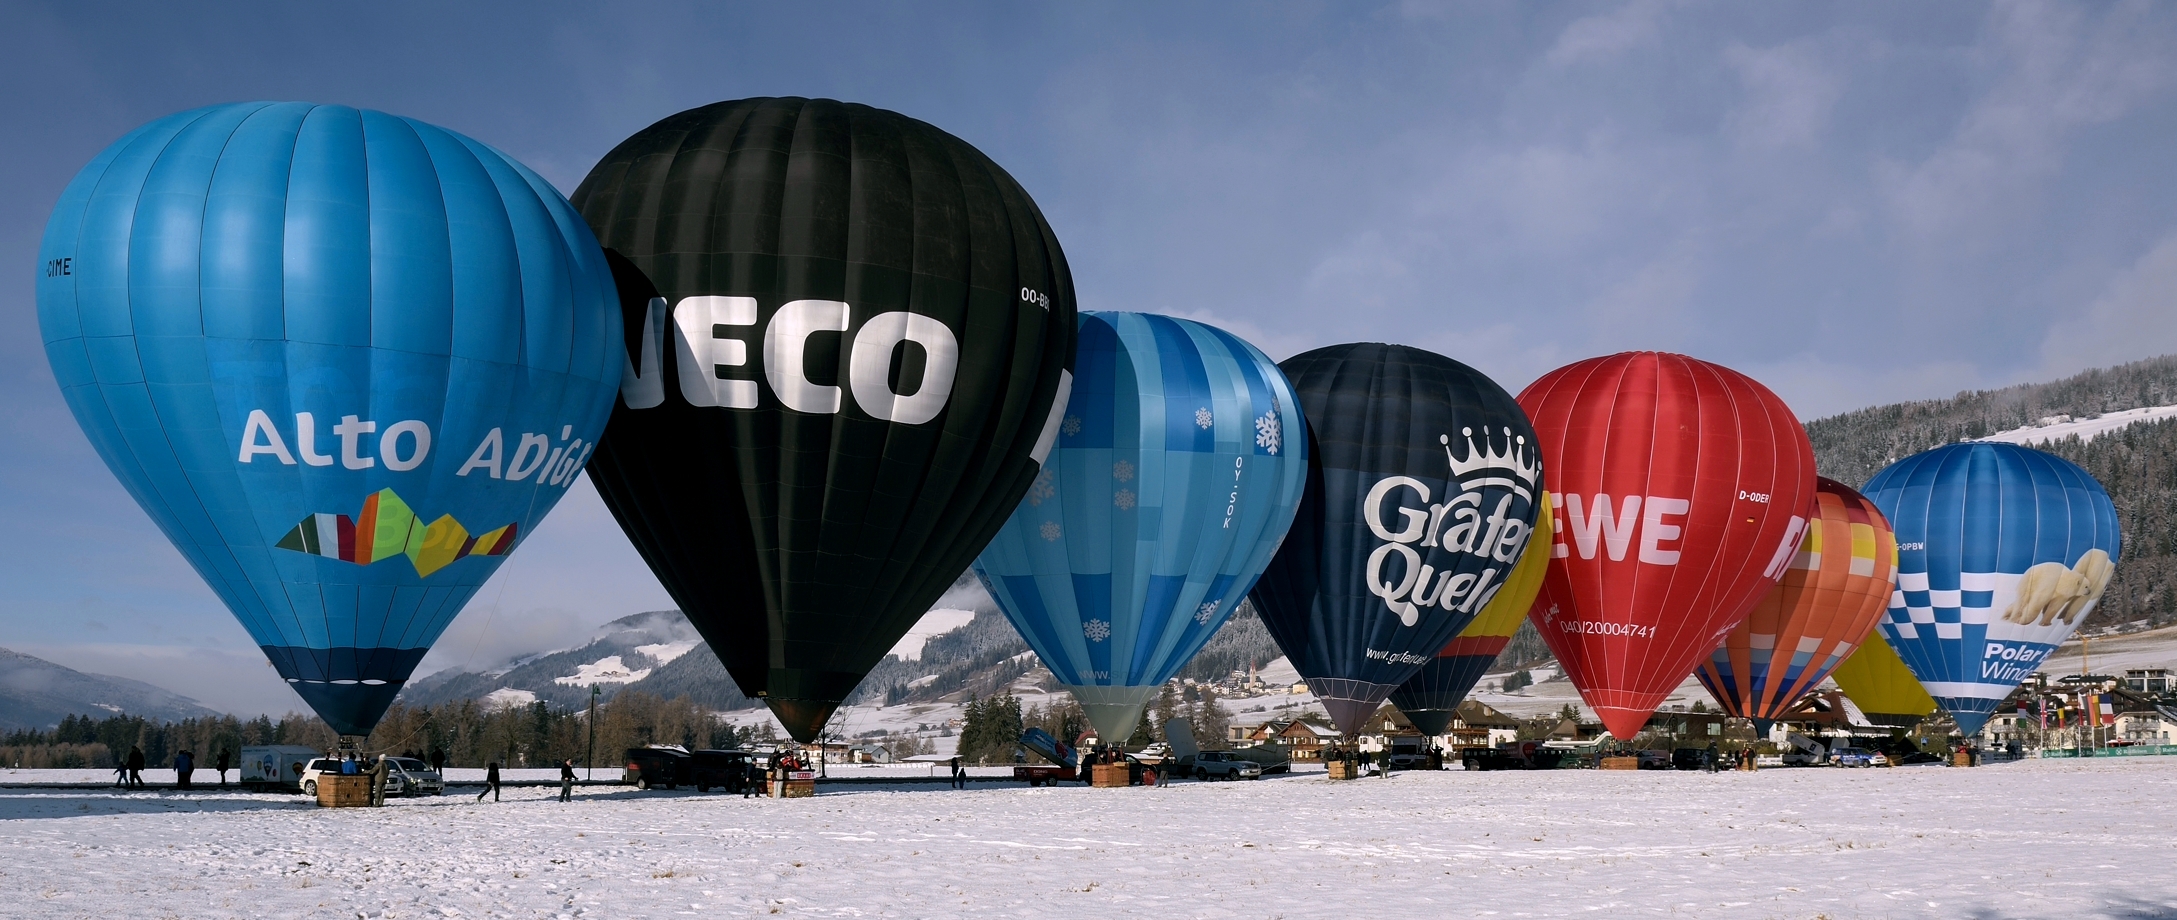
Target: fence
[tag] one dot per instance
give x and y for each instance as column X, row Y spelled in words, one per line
column 2136, row 750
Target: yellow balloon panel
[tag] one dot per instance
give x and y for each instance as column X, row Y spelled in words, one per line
column 1878, row 681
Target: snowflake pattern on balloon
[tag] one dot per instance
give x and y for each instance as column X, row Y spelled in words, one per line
column 1071, row 426
column 1096, row 630
column 1269, row 432
column 1202, row 418
column 1203, row 613
column 1050, row 531
column 1043, row 488
column 1122, row 471
column 1124, row 498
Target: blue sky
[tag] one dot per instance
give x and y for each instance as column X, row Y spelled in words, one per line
column 1855, row 203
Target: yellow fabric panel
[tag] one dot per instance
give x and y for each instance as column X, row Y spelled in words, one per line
column 1876, row 679
column 487, row 542
column 440, row 546
column 1501, row 616
column 389, row 536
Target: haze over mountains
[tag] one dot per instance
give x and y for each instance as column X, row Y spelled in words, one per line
column 36, row 694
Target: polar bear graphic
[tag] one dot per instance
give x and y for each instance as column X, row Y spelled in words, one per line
column 2050, row 592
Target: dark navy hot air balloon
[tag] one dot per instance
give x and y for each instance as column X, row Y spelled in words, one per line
column 345, row 360
column 1177, row 469
column 1423, row 486
column 2002, row 552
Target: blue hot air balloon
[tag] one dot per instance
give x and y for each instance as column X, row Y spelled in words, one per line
column 2002, row 551
column 1179, row 463
column 345, row 360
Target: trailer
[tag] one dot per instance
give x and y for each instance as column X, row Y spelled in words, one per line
column 1063, row 760
column 275, row 766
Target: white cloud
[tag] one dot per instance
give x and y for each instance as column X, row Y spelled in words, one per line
column 1605, row 36
column 1789, row 93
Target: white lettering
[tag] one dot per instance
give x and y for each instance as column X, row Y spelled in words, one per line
column 786, row 344
column 260, row 436
column 1416, row 521
column 389, row 445
column 869, row 368
column 351, row 430
column 1653, row 531
column 643, row 388
column 702, row 351
column 486, row 457
column 528, row 457
column 306, row 440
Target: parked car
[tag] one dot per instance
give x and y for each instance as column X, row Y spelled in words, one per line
column 1857, row 757
column 649, row 767
column 1526, row 755
column 409, row 776
column 1654, row 760
column 1221, row 765
column 727, row 770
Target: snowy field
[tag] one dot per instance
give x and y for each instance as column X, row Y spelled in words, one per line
column 2034, row 839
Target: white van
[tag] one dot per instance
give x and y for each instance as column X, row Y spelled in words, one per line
column 274, row 766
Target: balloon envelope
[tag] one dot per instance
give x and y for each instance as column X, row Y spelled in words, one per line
column 345, row 360
column 2002, row 552
column 848, row 341
column 1178, row 466
column 1881, row 686
column 1836, row 586
column 1681, row 489
column 1430, row 699
column 1423, row 486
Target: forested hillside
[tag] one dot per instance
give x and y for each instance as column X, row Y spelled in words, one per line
column 2135, row 463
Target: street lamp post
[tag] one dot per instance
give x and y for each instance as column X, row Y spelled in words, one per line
column 589, row 761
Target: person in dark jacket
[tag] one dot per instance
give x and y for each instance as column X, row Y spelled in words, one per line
column 136, row 766
column 491, row 782
column 185, row 763
column 566, row 780
column 959, row 775
column 438, row 761
column 222, row 763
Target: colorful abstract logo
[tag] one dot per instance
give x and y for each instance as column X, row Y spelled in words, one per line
column 387, row 528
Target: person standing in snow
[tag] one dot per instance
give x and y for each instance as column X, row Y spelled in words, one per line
column 184, row 764
column 438, row 761
column 566, row 780
column 959, row 775
column 491, row 782
column 221, row 763
column 378, row 773
column 136, row 766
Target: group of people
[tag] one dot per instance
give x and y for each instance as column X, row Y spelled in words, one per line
column 128, row 772
column 1356, row 759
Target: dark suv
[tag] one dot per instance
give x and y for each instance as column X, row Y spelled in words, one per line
column 657, row 766
column 728, row 770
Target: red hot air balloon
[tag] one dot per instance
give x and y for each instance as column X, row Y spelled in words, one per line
column 1681, row 489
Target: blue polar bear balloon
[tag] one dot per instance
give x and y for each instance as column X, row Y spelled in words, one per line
column 345, row 361
column 1178, row 467
column 2001, row 552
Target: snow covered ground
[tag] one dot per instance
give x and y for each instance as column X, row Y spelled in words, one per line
column 2033, row 839
column 2059, row 427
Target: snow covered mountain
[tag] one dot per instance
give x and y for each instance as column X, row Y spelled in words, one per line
column 35, row 694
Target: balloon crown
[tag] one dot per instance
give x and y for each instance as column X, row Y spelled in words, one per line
column 1517, row 459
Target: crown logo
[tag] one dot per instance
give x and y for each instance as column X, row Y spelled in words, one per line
column 1524, row 469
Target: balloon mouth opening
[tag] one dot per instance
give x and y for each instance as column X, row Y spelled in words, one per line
column 368, row 682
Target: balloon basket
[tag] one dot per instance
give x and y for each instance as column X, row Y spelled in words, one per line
column 1618, row 763
column 800, row 784
column 1109, row 775
column 341, row 791
column 1340, row 769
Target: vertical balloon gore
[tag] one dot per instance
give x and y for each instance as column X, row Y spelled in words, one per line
column 1681, row 490
column 849, row 336
column 1178, row 465
column 1422, row 492
column 2002, row 552
column 343, row 360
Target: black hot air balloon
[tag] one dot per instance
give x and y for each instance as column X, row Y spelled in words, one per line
column 1424, row 483
column 849, row 337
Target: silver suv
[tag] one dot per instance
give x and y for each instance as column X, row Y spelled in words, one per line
column 404, row 776
column 1224, row 765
